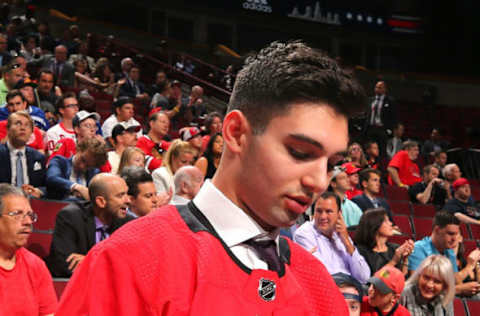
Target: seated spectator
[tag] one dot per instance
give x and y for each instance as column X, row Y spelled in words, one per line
column 131, row 157
column 340, row 184
column 402, row 170
column 123, row 112
column 30, row 48
column 210, row 159
column 469, row 275
column 352, row 291
column 451, row 173
column 12, row 74
column 63, row 71
column 431, row 289
column 22, row 166
column 133, row 87
column 371, row 238
column 431, row 190
column 159, row 84
column 36, row 139
column 326, row 237
column 85, row 127
column 356, row 156
column 126, row 64
column 27, row 287
column 187, row 181
column 440, row 161
column 48, row 93
column 370, row 181
column 16, row 101
column 213, row 125
column 83, row 55
column 462, row 204
column 434, row 144
column 123, row 136
column 394, row 144
column 446, row 228
column 67, row 106
column 352, row 173
column 194, row 104
column 154, row 144
column 384, row 292
column 193, row 136
column 68, row 178
column 105, row 78
column 81, row 225
column 372, row 154
column 163, row 101
column 178, row 155
column 5, row 56
column 141, row 191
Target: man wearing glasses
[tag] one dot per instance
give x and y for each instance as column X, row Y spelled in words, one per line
column 67, row 106
column 26, row 287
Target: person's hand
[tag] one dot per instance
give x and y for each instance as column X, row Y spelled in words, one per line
column 473, row 257
column 81, row 191
column 404, row 250
column 468, row 288
column 121, row 81
column 341, row 227
column 74, row 261
column 31, row 190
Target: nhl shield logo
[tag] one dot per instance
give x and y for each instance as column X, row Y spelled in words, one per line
column 267, row 289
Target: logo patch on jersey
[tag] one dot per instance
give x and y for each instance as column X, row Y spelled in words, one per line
column 267, row 289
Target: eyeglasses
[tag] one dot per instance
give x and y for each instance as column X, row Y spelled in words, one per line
column 20, row 216
column 74, row 105
column 90, row 126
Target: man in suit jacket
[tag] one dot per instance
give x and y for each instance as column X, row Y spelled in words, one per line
column 69, row 177
column 22, row 166
column 81, row 225
column 132, row 87
column 63, row 71
column 381, row 117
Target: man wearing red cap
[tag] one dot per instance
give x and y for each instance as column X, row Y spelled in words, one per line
column 352, row 173
column 462, row 205
column 194, row 137
column 385, row 289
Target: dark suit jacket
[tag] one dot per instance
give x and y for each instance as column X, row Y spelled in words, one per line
column 388, row 115
column 365, row 203
column 35, row 166
column 74, row 233
column 67, row 76
column 58, row 177
column 128, row 90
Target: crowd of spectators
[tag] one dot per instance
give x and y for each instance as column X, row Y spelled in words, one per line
column 115, row 169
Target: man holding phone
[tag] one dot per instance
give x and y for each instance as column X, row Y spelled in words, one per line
column 326, row 237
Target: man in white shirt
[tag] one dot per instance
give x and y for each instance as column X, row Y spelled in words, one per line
column 188, row 181
column 288, row 114
column 67, row 106
column 123, row 112
column 123, row 136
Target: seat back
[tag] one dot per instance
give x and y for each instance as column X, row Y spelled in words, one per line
column 396, row 193
column 473, row 307
column 59, row 284
column 47, row 211
column 422, row 226
column 423, row 210
column 459, row 307
column 403, row 222
column 39, row 243
column 400, row 207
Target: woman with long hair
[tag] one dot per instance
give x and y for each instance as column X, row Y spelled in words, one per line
column 213, row 125
column 371, row 238
column 131, row 156
column 431, row 289
column 356, row 155
column 208, row 163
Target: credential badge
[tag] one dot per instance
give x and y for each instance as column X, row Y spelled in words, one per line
column 267, row 289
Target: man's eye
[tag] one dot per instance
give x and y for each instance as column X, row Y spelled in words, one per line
column 298, row 154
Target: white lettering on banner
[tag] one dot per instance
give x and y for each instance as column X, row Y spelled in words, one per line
column 257, row 5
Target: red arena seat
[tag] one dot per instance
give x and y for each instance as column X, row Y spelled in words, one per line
column 459, row 307
column 475, row 229
column 47, row 212
column 423, row 210
column 403, row 222
column 473, row 307
column 399, row 239
column 422, row 226
column 59, row 284
column 396, row 193
column 469, row 245
column 400, row 207
column 39, row 243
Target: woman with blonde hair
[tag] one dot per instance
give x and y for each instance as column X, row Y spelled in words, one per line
column 431, row 289
column 356, row 155
column 178, row 155
column 131, row 156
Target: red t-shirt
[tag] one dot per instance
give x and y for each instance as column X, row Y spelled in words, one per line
column 153, row 151
column 35, row 141
column 407, row 170
column 205, row 140
column 353, row 193
column 368, row 310
column 27, row 289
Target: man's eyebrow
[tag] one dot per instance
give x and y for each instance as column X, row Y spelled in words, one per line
column 309, row 140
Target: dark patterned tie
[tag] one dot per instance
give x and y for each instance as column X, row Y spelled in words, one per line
column 19, row 167
column 103, row 232
column 267, row 251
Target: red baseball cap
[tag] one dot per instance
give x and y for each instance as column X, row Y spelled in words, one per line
column 189, row 133
column 388, row 280
column 350, row 168
column 459, row 182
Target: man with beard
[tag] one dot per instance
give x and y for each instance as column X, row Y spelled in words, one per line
column 81, row 225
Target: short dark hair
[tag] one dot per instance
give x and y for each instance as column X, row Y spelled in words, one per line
column 209, row 119
column 283, row 74
column 365, row 174
column 134, row 176
column 370, row 143
column 45, row 71
column 329, row 195
column 121, row 101
column 368, row 226
column 439, row 152
column 444, row 218
column 14, row 93
column 428, row 168
column 66, row 95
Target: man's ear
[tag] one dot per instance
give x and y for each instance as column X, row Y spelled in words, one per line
column 235, row 131
column 100, row 201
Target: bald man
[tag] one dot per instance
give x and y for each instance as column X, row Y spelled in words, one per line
column 188, row 181
column 81, row 225
column 63, row 71
column 194, row 103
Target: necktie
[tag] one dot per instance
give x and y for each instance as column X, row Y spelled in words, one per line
column 103, row 232
column 19, row 167
column 267, row 251
column 374, row 110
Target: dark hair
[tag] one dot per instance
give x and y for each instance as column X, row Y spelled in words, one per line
column 397, row 125
column 209, row 119
column 439, row 152
column 286, row 73
column 209, row 150
column 328, row 195
column 121, row 101
column 368, row 226
column 45, row 71
column 14, row 93
column 444, row 218
column 370, row 143
column 365, row 174
column 428, row 168
column 66, row 95
column 134, row 176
